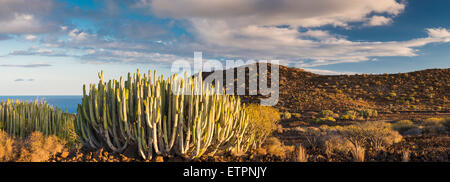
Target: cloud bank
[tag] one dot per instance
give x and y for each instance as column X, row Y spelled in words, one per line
column 288, row 30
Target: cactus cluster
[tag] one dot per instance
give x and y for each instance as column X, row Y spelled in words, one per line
column 155, row 116
column 21, row 118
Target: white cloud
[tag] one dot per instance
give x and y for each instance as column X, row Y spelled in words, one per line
column 321, row 47
column 305, row 13
column 265, row 29
column 77, row 35
column 30, row 37
column 379, row 20
column 439, row 33
column 63, row 28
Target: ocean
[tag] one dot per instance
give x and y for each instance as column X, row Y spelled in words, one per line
column 65, row 103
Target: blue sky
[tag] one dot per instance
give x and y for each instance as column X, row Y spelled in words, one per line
column 53, row 47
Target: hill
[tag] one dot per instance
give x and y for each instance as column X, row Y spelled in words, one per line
column 301, row 91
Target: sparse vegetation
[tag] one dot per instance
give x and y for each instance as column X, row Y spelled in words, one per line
column 34, row 148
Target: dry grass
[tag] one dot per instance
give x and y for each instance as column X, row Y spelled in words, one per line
column 6, row 147
column 406, row 156
column 358, row 153
column 38, row 148
column 35, row 148
column 300, row 154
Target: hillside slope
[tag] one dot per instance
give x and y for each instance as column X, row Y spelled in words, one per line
column 300, row 91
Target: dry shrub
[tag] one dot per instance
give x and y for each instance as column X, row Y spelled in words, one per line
column 35, row 148
column 6, row 147
column 434, row 129
column 375, row 134
column 433, row 121
column 263, row 120
column 403, row 125
column 273, row 146
column 435, row 125
column 38, row 148
column 261, row 151
column 337, row 144
column 354, row 134
column 314, row 138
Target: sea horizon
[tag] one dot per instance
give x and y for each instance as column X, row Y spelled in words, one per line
column 66, row 103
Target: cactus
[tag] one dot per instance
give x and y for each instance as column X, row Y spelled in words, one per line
column 157, row 116
column 19, row 118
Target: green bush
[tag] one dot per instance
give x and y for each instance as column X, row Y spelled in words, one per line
column 349, row 115
column 326, row 113
column 287, row 115
column 392, row 94
column 325, row 119
column 368, row 113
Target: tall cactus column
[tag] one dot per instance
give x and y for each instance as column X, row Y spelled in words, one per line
column 157, row 116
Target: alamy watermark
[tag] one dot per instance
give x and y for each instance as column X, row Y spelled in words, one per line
column 257, row 73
